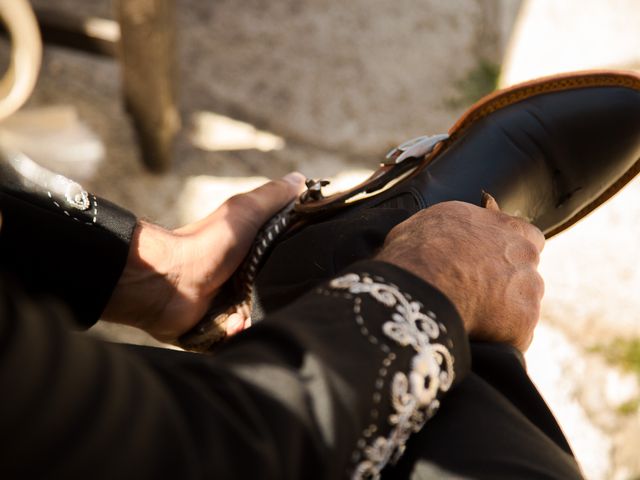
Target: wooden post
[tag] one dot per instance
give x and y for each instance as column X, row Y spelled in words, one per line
column 149, row 75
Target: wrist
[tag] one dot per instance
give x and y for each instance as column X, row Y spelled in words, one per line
column 151, row 249
column 148, row 281
column 430, row 273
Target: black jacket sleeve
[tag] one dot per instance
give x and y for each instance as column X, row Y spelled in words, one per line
column 56, row 238
column 332, row 385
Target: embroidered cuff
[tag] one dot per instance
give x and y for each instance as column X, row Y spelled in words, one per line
column 59, row 240
column 424, row 351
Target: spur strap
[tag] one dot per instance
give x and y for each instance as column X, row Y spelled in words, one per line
column 402, row 160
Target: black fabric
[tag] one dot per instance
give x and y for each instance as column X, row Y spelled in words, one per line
column 503, row 367
column 493, row 426
column 319, row 252
column 75, row 256
column 287, row 398
column 479, row 434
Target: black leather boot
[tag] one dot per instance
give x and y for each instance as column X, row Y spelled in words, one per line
column 549, row 151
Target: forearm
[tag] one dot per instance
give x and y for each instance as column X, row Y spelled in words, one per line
column 148, row 281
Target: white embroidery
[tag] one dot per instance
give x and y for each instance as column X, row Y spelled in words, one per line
column 413, row 395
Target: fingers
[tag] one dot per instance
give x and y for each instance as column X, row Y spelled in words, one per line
column 535, row 236
column 238, row 320
column 527, row 230
column 489, row 202
column 524, row 228
column 235, row 323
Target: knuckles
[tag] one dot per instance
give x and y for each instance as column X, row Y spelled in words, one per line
column 539, row 284
column 530, row 252
column 498, row 255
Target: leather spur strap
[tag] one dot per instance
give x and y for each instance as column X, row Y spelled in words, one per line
column 235, row 294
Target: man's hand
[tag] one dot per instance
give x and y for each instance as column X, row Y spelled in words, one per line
column 171, row 276
column 483, row 260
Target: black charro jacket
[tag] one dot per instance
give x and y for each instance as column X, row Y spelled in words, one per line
column 337, row 382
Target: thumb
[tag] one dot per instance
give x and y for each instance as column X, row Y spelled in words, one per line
column 489, row 202
column 253, row 208
column 273, row 196
column 259, row 205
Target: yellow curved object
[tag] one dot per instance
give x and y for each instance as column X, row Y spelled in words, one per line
column 26, row 55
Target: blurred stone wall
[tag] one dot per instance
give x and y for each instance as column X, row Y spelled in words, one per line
column 357, row 76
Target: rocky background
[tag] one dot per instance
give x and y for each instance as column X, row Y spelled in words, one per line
column 326, row 87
